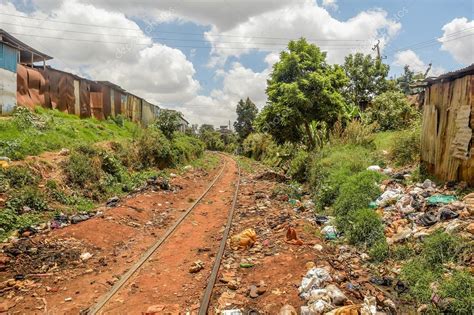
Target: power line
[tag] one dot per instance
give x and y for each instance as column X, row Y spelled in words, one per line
column 173, row 32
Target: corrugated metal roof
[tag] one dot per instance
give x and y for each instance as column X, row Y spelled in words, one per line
column 452, row 75
column 24, row 49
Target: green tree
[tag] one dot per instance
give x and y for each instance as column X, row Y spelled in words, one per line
column 168, row 122
column 246, row 113
column 367, row 78
column 391, row 111
column 302, row 88
column 205, row 127
column 407, row 79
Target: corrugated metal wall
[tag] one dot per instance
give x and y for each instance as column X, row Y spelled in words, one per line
column 8, row 57
column 7, row 91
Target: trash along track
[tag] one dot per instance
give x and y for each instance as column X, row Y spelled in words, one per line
column 65, row 270
column 172, row 275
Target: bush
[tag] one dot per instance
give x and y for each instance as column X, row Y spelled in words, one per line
column 356, row 132
column 27, row 197
column 19, row 176
column 406, row 147
column 440, row 248
column 154, row 149
column 419, row 276
column 401, row 252
column 364, row 227
column 186, row 148
column 356, row 193
column 391, row 111
column 332, row 166
column 257, row 145
column 83, row 169
column 458, row 290
column 297, row 168
column 379, row 250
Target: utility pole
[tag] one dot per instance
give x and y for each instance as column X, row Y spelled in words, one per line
column 428, row 70
column 377, row 46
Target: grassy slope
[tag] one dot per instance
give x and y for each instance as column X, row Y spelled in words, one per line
column 61, row 131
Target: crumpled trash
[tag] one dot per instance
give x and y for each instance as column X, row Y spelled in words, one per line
column 440, row 199
column 370, row 306
column 292, row 237
column 388, row 197
column 319, row 307
column 314, row 279
column 337, row 296
column 79, row 218
column 113, row 202
column 400, row 287
column 232, row 312
column 428, row 184
column 321, row 219
column 427, row 219
column 374, row 168
column 385, row 281
column 447, row 214
column 85, row 256
column 329, row 232
column 244, row 239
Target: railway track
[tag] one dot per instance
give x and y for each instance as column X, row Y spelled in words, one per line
column 154, row 249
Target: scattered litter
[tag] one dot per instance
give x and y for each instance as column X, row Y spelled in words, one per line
column 370, row 306
column 292, row 237
column 246, row 265
column 244, row 240
column 388, row 197
column 86, row 256
column 374, row 168
column 64, row 152
column 440, row 199
column 68, row 299
column 287, row 310
column 321, row 219
column 232, row 312
column 113, row 202
column 196, row 267
column 79, row 218
column 314, row 279
column 329, row 232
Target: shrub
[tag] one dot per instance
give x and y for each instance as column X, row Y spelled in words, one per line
column 19, row 176
column 8, row 219
column 186, row 148
column 391, row 111
column 439, row 248
column 419, row 276
column 83, row 168
column 256, row 145
column 356, row 193
column 332, row 166
column 458, row 290
column 364, row 227
column 356, row 132
column 297, row 168
column 406, row 147
column 154, row 149
column 27, row 197
column 401, row 252
column 379, row 250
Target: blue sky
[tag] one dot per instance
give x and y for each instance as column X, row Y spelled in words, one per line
column 202, row 56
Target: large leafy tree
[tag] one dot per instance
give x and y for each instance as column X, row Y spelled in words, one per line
column 367, row 78
column 246, row 113
column 302, row 88
column 168, row 121
column 408, row 77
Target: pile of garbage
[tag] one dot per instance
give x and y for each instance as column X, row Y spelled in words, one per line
column 417, row 210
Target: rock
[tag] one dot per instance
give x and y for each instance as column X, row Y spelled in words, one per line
column 253, row 291
column 310, row 265
column 370, row 306
column 318, row 247
column 196, row 267
column 79, row 218
column 287, row 310
column 233, row 285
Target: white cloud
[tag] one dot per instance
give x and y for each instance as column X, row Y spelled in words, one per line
column 305, row 19
column 458, row 40
column 331, row 4
column 410, row 58
column 238, row 83
column 156, row 72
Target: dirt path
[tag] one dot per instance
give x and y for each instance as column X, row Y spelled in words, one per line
column 116, row 240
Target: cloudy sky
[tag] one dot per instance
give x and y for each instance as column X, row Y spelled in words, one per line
column 202, row 56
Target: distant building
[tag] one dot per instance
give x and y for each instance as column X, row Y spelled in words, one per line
column 12, row 52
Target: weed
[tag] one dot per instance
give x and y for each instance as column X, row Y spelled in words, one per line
column 401, row 252
column 20, row 176
column 458, row 290
column 297, row 169
column 27, row 197
column 406, row 147
column 419, row 276
column 154, row 150
column 356, row 193
column 83, row 170
column 440, row 247
column 364, row 227
column 379, row 251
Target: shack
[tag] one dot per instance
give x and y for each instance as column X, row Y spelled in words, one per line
column 13, row 52
column 447, row 149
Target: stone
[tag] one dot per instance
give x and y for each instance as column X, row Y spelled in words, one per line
column 196, row 267
column 390, row 304
column 287, row 310
column 253, row 292
column 470, row 228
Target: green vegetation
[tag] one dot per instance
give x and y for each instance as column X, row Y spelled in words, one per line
column 406, row 147
column 31, row 133
column 246, row 113
column 168, row 122
column 91, row 172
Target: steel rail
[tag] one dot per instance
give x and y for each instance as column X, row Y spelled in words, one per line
column 206, row 299
column 144, row 258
